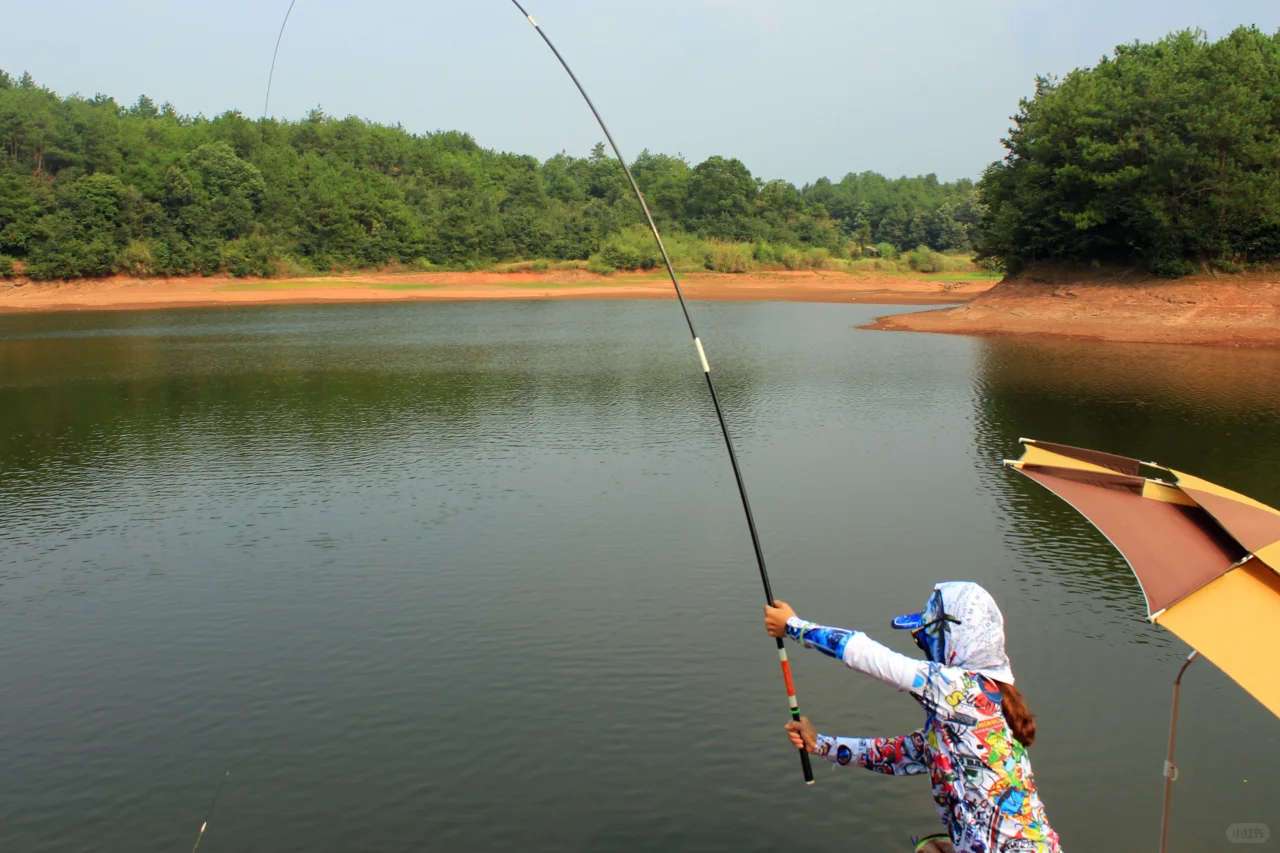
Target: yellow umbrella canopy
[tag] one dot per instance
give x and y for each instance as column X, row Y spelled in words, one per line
column 1207, row 558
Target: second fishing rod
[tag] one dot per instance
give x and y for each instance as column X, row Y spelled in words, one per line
column 706, row 372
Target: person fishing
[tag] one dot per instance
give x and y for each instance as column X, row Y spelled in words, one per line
column 977, row 727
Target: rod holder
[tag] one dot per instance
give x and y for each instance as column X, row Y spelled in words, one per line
column 1170, row 769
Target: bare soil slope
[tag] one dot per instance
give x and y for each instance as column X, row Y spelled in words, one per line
column 1241, row 310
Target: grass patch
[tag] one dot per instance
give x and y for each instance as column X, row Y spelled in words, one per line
column 659, row 276
column 985, row 275
column 401, row 286
column 536, row 285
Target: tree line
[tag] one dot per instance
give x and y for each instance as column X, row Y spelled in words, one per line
column 1164, row 156
column 89, row 187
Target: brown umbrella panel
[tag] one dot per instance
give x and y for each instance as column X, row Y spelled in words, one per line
column 1205, row 557
column 1253, row 524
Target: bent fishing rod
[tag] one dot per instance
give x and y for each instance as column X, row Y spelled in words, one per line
column 706, row 372
column 697, row 343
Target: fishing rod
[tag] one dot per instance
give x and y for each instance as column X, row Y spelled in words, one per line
column 208, row 816
column 697, row 343
column 706, row 371
column 272, row 73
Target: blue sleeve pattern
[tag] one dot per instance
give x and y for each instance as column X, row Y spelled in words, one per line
column 829, row 641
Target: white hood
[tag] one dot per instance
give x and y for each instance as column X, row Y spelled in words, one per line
column 977, row 643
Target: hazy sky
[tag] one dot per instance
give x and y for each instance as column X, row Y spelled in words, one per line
column 797, row 89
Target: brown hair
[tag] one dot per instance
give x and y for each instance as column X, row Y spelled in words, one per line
column 1017, row 714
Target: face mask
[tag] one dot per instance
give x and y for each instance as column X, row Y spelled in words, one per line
column 931, row 637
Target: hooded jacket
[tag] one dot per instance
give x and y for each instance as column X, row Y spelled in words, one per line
column 982, row 781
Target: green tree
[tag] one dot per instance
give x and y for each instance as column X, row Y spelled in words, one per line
column 722, row 195
column 1164, row 155
column 230, row 190
column 88, row 187
column 665, row 183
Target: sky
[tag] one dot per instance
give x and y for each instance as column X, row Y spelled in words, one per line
column 796, row 89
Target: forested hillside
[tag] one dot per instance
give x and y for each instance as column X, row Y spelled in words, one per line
column 88, row 188
column 1166, row 155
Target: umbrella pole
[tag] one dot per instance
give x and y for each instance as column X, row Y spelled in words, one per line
column 1170, row 769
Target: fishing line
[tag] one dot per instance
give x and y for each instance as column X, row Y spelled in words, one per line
column 697, row 343
column 208, row 816
column 272, row 73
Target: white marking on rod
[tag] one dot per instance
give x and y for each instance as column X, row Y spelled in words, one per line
column 795, row 706
column 706, row 368
column 531, row 20
column 782, row 655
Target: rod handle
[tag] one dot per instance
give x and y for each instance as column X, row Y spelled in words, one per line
column 808, row 768
column 795, row 705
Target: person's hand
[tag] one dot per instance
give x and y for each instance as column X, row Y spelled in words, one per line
column 803, row 735
column 775, row 618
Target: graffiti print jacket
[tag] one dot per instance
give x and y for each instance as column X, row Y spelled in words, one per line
column 982, row 781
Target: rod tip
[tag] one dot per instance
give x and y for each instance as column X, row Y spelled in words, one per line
column 810, row 783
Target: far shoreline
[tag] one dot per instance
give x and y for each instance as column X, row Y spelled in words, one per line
column 121, row 293
column 1238, row 310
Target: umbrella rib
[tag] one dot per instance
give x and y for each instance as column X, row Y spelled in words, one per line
column 1243, row 561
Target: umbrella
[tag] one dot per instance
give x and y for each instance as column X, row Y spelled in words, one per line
column 1207, row 559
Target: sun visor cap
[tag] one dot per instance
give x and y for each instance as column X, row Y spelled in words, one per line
column 909, row 622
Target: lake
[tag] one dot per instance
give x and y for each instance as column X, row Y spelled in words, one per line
column 469, row 576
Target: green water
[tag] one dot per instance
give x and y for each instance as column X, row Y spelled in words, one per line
column 475, row 577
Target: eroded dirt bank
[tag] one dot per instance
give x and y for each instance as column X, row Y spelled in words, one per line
column 1241, row 310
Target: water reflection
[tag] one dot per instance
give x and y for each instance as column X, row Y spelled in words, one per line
column 1215, row 413
column 475, row 576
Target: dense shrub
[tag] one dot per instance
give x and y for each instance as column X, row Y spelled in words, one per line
column 249, row 256
column 925, row 260
column 764, row 253
column 811, row 259
column 728, row 257
column 626, row 252
column 136, row 259
column 595, row 264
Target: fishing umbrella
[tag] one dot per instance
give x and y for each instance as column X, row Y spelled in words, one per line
column 1207, row 558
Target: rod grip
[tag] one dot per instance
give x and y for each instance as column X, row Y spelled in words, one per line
column 808, row 768
column 795, row 706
